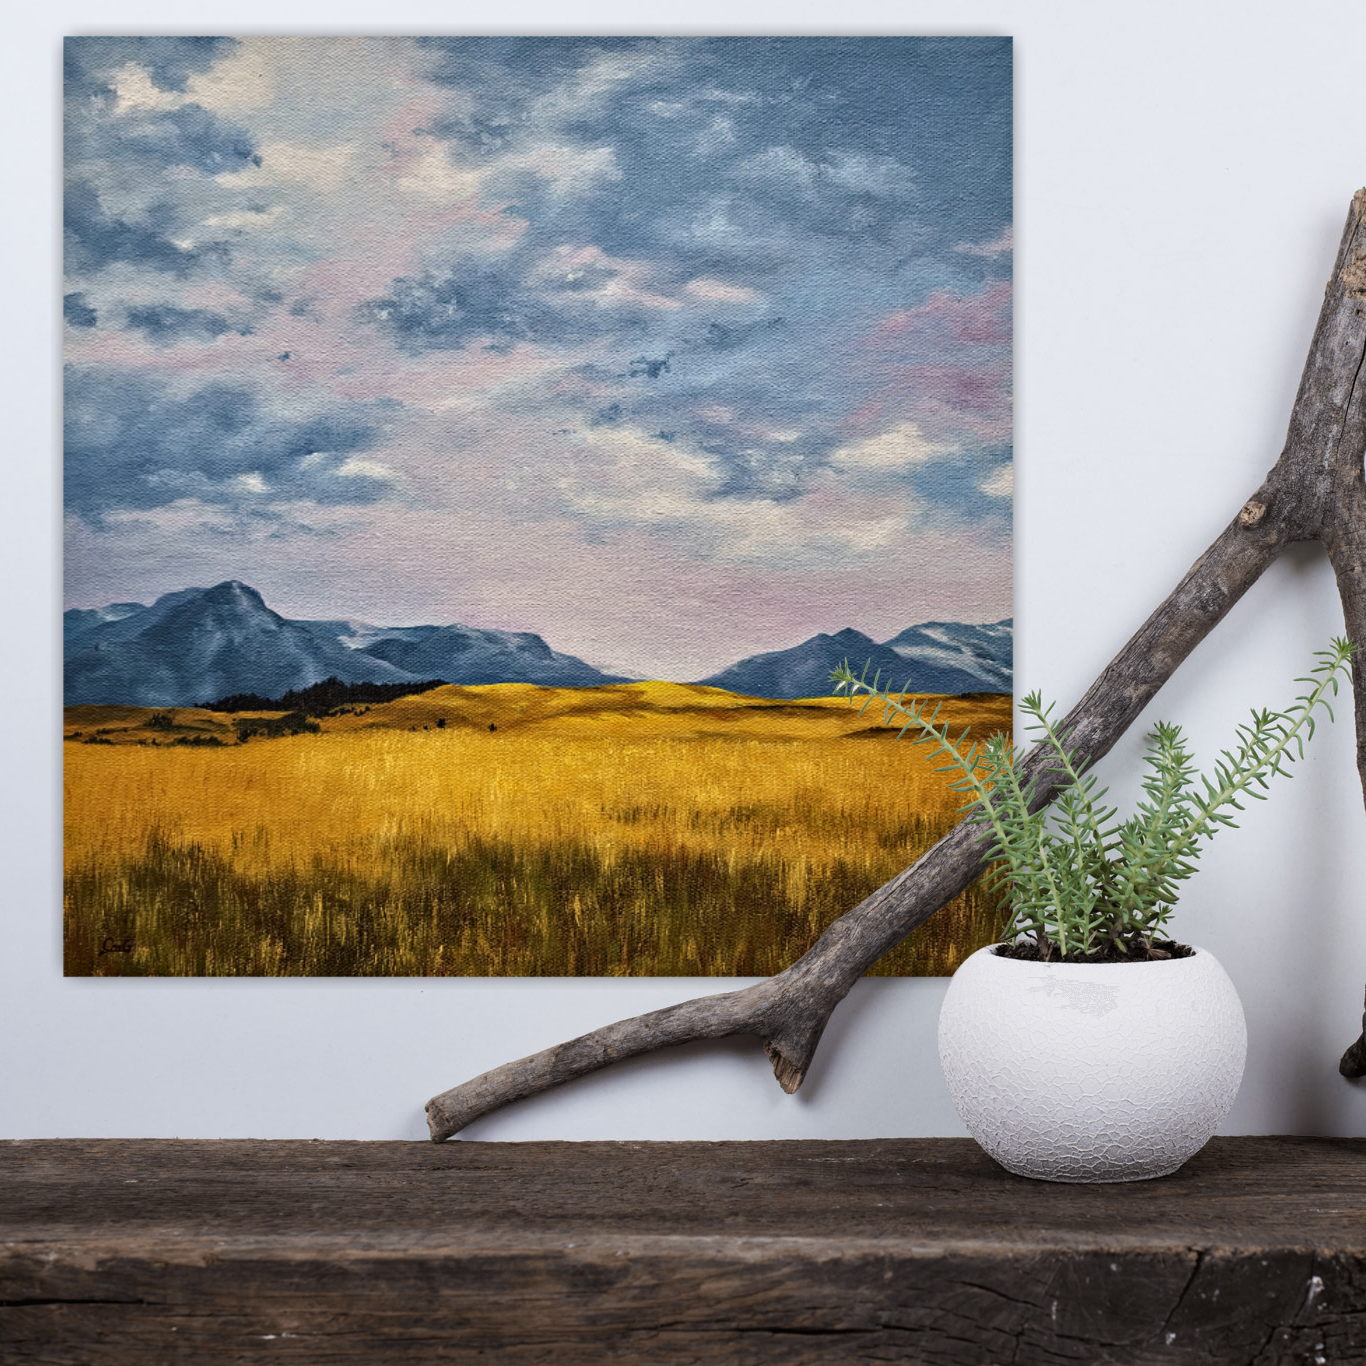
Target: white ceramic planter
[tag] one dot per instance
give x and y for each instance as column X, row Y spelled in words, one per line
column 1092, row 1072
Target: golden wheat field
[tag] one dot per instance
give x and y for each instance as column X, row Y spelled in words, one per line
column 506, row 830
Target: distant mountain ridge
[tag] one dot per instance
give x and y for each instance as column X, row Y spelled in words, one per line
column 937, row 657
column 482, row 656
column 953, row 649
column 200, row 643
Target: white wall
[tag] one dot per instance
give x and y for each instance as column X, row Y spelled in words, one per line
column 1184, row 170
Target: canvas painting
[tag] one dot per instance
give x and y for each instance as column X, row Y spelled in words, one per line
column 479, row 454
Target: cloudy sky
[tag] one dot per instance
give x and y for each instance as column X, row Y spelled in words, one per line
column 671, row 350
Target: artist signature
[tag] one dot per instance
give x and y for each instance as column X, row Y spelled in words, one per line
column 111, row 945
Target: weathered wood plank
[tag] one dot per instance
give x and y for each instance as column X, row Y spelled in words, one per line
column 772, row 1252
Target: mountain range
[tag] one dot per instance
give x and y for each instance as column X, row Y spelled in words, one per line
column 936, row 657
column 199, row 644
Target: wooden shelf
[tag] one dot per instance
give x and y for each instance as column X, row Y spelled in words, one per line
column 900, row 1250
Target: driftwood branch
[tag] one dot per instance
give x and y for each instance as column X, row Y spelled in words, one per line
column 1316, row 491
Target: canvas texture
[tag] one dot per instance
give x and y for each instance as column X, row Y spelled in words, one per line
column 479, row 452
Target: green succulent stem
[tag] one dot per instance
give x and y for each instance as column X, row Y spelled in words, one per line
column 1075, row 877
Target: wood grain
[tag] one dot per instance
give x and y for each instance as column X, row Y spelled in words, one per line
column 899, row 1250
column 1315, row 492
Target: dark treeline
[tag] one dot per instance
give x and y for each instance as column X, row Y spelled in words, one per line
column 321, row 698
column 293, row 723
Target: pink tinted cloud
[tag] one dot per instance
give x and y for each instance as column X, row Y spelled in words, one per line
column 948, row 319
column 945, row 364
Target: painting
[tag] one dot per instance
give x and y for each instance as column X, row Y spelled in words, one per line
column 480, row 452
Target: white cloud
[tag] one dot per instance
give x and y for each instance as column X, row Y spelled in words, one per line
column 584, row 93
column 719, row 136
column 715, row 225
column 281, row 82
column 433, row 175
column 318, row 168
column 786, row 166
column 783, row 165
column 897, row 448
column 246, row 219
column 135, row 92
column 883, row 176
column 607, row 280
column 1001, row 483
column 620, row 479
column 567, row 170
column 718, row 291
column 242, row 80
column 357, row 467
column 1001, row 245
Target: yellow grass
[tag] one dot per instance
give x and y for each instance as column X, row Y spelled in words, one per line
column 640, row 829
